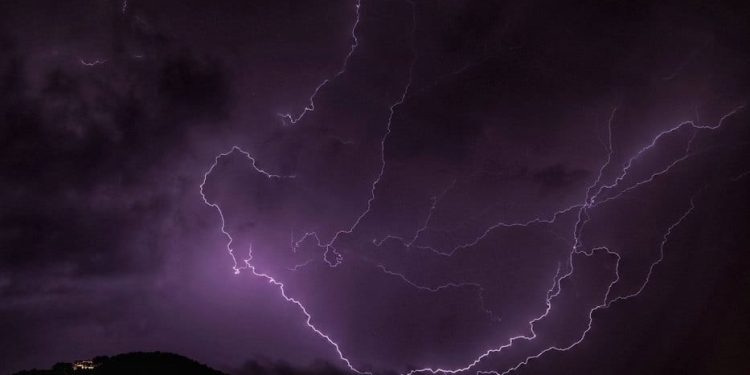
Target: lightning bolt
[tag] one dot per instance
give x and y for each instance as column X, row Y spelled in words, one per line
column 435, row 200
column 91, row 63
column 591, row 193
column 605, row 304
column 477, row 286
column 740, row 176
column 288, row 117
column 593, row 196
column 298, row 266
column 328, row 246
column 302, row 308
column 247, row 265
column 234, row 149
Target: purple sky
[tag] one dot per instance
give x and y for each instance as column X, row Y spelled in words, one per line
column 459, row 185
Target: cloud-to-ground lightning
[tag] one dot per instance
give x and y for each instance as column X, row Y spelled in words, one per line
column 393, row 187
column 589, row 203
column 594, row 195
column 302, row 308
column 247, row 265
column 328, row 246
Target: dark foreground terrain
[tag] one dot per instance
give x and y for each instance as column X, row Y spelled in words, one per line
column 133, row 363
column 160, row 363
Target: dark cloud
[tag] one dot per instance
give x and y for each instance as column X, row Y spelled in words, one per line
column 556, row 176
column 81, row 154
column 85, row 207
column 447, row 166
column 200, row 87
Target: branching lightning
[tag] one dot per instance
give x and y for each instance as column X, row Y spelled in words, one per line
column 477, row 286
column 302, row 308
column 247, row 265
column 288, row 117
column 596, row 194
column 329, row 246
column 589, row 203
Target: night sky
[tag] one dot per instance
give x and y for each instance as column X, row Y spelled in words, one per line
column 385, row 185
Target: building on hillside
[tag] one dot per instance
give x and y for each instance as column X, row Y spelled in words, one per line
column 83, row 365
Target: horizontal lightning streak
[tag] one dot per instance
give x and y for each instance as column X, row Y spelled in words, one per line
column 298, row 266
column 740, row 176
column 477, row 286
column 430, row 289
column 91, row 63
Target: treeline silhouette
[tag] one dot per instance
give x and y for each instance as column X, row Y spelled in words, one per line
column 160, row 363
column 153, row 363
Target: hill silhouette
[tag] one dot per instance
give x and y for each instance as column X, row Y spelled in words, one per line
column 151, row 363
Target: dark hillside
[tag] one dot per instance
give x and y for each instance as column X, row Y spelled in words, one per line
column 154, row 363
